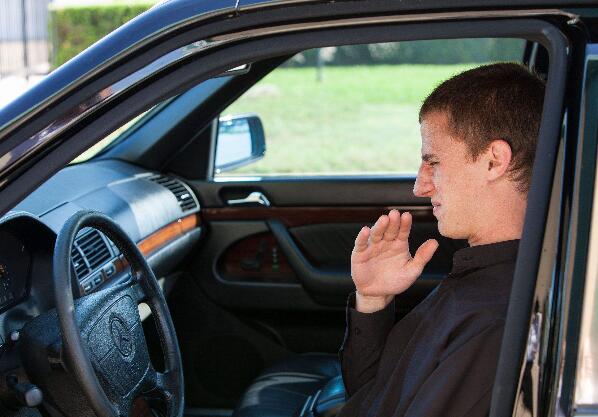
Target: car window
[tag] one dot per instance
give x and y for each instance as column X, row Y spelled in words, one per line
column 350, row 110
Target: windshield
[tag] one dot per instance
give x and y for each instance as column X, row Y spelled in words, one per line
column 160, row 115
column 113, row 137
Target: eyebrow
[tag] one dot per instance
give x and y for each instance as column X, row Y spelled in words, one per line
column 428, row 156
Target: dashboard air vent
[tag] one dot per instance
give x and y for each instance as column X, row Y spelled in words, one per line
column 179, row 189
column 95, row 252
column 79, row 264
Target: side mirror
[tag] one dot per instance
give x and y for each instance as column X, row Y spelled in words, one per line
column 240, row 141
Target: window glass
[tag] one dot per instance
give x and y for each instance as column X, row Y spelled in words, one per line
column 353, row 110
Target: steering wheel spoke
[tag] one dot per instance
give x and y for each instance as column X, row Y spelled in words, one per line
column 166, row 384
column 163, row 389
column 137, row 291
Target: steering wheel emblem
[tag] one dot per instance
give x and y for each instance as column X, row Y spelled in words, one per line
column 121, row 336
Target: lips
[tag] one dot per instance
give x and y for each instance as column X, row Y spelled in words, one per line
column 436, row 206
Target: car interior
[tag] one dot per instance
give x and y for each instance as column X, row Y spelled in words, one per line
column 254, row 264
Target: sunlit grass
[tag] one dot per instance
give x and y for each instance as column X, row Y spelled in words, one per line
column 357, row 119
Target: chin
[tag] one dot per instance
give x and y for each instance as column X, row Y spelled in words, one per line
column 442, row 229
column 449, row 232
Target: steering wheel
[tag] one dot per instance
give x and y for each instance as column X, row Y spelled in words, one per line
column 102, row 334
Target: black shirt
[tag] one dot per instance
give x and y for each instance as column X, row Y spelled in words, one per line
column 440, row 359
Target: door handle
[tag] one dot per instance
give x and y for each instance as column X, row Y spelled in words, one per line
column 255, row 197
column 315, row 280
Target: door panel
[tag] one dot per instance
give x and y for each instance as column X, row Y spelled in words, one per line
column 281, row 274
column 294, row 254
column 303, row 251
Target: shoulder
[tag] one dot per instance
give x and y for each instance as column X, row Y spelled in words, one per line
column 473, row 312
column 485, row 291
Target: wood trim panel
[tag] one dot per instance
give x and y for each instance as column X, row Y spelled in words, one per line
column 301, row 216
column 161, row 237
column 256, row 258
column 168, row 233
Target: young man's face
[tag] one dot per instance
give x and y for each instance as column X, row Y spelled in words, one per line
column 449, row 177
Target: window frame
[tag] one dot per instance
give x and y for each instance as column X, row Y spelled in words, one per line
column 327, row 175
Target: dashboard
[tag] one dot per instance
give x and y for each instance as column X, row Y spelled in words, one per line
column 158, row 212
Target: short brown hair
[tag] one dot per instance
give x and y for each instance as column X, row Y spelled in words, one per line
column 497, row 101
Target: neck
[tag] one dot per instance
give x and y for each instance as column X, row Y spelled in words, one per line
column 502, row 221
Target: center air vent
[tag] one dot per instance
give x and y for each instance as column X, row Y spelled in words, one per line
column 89, row 252
column 79, row 264
column 179, row 189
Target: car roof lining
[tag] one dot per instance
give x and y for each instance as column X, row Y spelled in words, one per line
column 202, row 67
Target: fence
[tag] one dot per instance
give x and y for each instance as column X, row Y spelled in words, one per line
column 24, row 37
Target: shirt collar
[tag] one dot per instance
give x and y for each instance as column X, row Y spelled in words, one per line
column 481, row 256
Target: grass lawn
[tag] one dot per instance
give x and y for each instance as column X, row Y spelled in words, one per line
column 357, row 119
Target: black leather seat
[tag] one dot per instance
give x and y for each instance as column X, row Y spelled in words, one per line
column 295, row 387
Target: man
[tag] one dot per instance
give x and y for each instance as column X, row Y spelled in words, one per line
column 479, row 131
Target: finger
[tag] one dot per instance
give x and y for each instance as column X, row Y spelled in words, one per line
column 361, row 241
column 394, row 223
column 379, row 229
column 406, row 220
column 424, row 253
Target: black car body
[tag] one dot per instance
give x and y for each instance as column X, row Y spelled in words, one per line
column 157, row 59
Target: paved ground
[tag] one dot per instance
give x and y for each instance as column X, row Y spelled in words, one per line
column 13, row 86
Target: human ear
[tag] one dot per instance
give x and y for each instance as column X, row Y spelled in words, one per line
column 499, row 157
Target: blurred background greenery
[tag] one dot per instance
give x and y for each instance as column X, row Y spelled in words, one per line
column 356, row 119
column 75, row 25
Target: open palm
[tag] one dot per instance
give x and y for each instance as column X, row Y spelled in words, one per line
column 381, row 263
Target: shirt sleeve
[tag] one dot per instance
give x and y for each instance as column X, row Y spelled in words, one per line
column 461, row 384
column 364, row 342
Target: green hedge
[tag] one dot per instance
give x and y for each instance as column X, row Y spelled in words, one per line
column 74, row 28
column 455, row 51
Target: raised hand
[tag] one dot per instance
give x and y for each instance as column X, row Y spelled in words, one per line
column 381, row 264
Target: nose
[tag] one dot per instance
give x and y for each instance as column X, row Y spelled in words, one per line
column 424, row 186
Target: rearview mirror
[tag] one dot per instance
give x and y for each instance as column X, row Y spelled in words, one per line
column 240, row 141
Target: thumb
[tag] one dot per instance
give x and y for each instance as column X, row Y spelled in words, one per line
column 424, row 253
